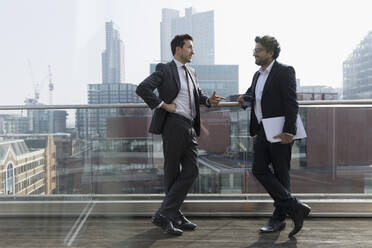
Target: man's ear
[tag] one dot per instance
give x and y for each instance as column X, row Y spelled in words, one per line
column 178, row 49
column 271, row 54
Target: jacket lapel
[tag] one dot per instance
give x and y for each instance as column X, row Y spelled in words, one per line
column 272, row 73
column 193, row 79
column 254, row 83
column 175, row 74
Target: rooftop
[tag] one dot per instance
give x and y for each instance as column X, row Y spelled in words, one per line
column 211, row 232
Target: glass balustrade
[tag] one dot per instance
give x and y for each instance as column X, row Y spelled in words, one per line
column 95, row 151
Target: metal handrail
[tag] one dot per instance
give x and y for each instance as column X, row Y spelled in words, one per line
column 325, row 103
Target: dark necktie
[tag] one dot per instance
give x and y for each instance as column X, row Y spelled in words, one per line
column 189, row 90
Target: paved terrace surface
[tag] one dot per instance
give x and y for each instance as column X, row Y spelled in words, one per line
column 212, row 232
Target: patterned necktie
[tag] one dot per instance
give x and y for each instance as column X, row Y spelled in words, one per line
column 189, row 91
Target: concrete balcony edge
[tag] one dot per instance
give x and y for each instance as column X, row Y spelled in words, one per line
column 212, row 205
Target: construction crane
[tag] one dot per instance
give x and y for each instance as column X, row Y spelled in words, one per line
column 34, row 100
column 38, row 86
column 51, row 86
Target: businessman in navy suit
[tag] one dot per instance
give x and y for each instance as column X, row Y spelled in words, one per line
column 177, row 119
column 273, row 94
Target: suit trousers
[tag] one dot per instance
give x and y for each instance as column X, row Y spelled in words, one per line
column 271, row 165
column 179, row 148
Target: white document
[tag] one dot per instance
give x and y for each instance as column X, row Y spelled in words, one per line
column 274, row 126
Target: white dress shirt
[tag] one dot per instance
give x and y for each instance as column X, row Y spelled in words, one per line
column 182, row 100
column 261, row 81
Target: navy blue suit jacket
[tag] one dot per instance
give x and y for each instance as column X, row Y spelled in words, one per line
column 167, row 81
column 278, row 97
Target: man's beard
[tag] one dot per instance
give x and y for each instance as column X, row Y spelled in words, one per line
column 187, row 59
column 261, row 62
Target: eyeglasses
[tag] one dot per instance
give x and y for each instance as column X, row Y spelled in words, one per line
column 258, row 50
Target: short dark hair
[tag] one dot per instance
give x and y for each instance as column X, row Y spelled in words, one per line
column 270, row 44
column 179, row 41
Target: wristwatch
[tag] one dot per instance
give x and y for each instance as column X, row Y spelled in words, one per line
column 208, row 103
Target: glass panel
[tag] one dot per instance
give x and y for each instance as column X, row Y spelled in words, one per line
column 40, row 154
column 335, row 158
column 109, row 151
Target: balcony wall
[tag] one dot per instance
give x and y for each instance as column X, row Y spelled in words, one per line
column 112, row 157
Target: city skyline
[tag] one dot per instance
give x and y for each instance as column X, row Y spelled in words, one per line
column 358, row 71
column 315, row 39
column 199, row 24
column 113, row 67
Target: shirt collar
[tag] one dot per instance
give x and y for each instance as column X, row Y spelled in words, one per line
column 178, row 64
column 268, row 69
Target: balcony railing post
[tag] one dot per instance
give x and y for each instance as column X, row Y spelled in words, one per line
column 334, row 143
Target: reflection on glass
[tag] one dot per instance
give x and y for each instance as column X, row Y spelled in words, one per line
column 9, row 180
column 41, row 155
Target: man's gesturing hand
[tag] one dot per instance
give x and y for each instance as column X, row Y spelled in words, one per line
column 214, row 100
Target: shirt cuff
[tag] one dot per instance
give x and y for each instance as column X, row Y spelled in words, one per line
column 161, row 104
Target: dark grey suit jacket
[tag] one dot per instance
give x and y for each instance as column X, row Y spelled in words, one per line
column 167, row 81
column 278, row 97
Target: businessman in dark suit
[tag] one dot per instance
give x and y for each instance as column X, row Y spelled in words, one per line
column 177, row 119
column 273, row 94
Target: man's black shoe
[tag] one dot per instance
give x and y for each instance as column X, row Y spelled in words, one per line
column 184, row 224
column 165, row 224
column 298, row 217
column 273, row 226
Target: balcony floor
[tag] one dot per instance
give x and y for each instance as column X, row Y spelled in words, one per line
column 212, row 232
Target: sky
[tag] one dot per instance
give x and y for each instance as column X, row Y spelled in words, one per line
column 315, row 36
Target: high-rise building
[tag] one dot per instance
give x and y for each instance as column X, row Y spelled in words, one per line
column 112, row 93
column 46, row 121
column 199, row 25
column 224, row 79
column 168, row 15
column 113, row 57
column 357, row 70
column 37, row 121
column 93, row 122
column 10, row 124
